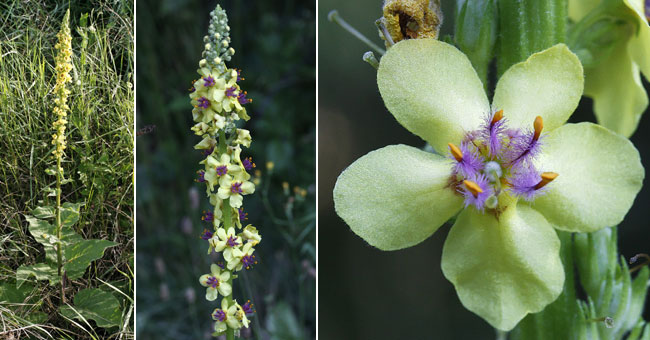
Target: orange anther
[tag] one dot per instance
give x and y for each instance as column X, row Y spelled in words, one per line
column 473, row 188
column 497, row 116
column 538, row 125
column 547, row 177
column 455, row 151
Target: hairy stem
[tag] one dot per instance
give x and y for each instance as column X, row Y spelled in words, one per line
column 59, row 257
column 528, row 26
column 227, row 223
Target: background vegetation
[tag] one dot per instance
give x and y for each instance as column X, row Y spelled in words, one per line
column 366, row 293
column 99, row 158
column 275, row 48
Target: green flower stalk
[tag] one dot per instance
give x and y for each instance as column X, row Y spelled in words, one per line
column 512, row 172
column 218, row 104
column 63, row 68
column 612, row 39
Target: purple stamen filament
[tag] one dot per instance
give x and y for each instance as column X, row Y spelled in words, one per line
column 230, row 92
column 206, row 235
column 207, row 216
column 493, row 156
column 208, row 81
column 222, row 170
column 248, row 163
column 201, row 174
column 232, row 241
column 204, row 103
column 248, row 261
column 219, row 315
column 213, row 282
column 242, row 215
column 236, row 188
column 241, row 97
column 248, row 308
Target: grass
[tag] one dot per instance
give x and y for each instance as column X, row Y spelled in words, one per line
column 99, row 158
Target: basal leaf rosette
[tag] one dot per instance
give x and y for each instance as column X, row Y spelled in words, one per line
column 512, row 172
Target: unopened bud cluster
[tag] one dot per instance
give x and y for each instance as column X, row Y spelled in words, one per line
column 217, row 43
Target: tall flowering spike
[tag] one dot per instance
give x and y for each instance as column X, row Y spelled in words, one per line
column 63, row 67
column 218, row 103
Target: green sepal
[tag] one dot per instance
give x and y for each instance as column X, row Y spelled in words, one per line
column 611, row 293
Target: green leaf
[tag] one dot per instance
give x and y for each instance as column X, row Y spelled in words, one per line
column 42, row 271
column 45, row 234
column 43, row 212
column 94, row 304
column 11, row 294
column 77, row 252
column 36, row 317
column 81, row 254
column 23, row 301
column 70, row 213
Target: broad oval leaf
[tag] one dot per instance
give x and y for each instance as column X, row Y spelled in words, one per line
column 94, row 304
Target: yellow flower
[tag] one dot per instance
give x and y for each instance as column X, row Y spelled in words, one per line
column 63, row 68
column 612, row 68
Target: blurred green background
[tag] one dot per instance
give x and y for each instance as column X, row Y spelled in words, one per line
column 365, row 293
column 275, row 48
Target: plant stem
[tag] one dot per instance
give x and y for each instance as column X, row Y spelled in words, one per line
column 59, row 257
column 501, row 335
column 227, row 223
column 230, row 333
column 528, row 26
